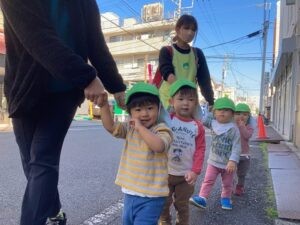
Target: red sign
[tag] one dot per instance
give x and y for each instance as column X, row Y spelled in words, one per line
column 2, row 44
column 150, row 68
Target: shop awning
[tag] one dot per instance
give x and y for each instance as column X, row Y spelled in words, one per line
column 288, row 46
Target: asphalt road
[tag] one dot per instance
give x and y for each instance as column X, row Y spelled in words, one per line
column 89, row 196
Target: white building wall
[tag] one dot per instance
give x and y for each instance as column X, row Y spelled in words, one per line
column 135, row 45
column 285, row 74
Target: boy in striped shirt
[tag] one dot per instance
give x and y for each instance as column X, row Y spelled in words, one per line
column 143, row 169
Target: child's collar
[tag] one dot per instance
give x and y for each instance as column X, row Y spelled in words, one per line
column 220, row 128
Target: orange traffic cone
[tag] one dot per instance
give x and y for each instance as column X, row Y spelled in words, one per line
column 261, row 128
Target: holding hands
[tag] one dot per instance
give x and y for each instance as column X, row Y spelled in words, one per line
column 120, row 99
column 105, row 99
column 171, row 78
column 95, row 92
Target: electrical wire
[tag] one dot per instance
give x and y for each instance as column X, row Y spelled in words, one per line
column 128, row 32
column 237, row 39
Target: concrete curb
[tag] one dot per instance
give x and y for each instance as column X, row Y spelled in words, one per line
column 285, row 222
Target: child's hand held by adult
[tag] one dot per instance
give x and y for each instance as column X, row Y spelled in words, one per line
column 171, row 78
column 94, row 92
column 120, row 99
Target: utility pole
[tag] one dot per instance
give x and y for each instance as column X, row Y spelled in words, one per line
column 180, row 9
column 265, row 37
column 224, row 71
column 179, row 6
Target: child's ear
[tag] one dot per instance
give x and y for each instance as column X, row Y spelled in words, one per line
column 171, row 101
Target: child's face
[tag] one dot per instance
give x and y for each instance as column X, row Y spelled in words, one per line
column 241, row 116
column 146, row 114
column 186, row 33
column 184, row 105
column 223, row 115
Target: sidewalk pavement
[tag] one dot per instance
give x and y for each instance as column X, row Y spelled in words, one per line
column 284, row 165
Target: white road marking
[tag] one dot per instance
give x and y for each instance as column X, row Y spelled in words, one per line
column 83, row 128
column 106, row 216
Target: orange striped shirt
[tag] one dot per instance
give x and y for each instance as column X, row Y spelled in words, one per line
column 142, row 170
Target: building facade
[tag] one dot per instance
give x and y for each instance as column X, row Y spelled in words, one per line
column 285, row 74
column 135, row 45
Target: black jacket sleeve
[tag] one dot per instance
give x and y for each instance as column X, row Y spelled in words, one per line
column 30, row 25
column 203, row 78
column 98, row 52
column 27, row 20
column 165, row 62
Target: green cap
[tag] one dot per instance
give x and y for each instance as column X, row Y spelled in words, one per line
column 179, row 84
column 224, row 103
column 141, row 87
column 242, row 107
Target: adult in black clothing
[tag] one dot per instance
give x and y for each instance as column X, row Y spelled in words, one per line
column 47, row 76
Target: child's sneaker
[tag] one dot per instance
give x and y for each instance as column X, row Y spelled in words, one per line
column 198, row 201
column 239, row 190
column 59, row 219
column 226, row 203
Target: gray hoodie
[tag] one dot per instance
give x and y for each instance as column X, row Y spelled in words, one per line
column 226, row 142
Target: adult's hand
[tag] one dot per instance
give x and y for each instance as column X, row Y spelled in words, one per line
column 95, row 92
column 120, row 99
column 171, row 78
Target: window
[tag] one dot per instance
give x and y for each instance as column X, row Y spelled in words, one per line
column 115, row 39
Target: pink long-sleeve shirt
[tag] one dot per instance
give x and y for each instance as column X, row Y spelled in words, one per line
column 246, row 132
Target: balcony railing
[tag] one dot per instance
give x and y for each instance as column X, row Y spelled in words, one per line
column 150, row 45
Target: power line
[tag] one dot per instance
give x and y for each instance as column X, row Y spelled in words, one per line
column 237, row 39
column 202, row 34
column 130, row 33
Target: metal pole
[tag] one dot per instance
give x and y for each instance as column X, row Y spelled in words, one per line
column 224, row 72
column 178, row 10
column 265, row 36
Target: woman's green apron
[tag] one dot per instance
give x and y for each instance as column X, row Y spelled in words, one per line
column 184, row 67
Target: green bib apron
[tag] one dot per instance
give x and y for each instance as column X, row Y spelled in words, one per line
column 184, row 67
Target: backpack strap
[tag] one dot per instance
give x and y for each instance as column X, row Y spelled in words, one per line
column 158, row 79
column 170, row 49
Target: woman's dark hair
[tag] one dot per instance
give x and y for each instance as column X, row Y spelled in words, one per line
column 141, row 99
column 187, row 20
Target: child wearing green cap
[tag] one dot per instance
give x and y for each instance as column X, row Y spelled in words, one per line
column 186, row 154
column 143, row 173
column 224, row 153
column 243, row 119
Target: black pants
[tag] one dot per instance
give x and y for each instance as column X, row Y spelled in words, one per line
column 242, row 169
column 40, row 137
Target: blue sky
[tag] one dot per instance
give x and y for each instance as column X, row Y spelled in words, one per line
column 220, row 21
